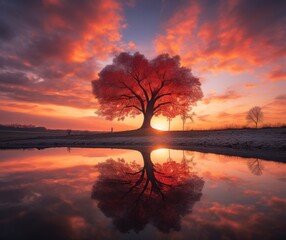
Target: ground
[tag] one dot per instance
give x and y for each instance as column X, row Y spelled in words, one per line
column 268, row 143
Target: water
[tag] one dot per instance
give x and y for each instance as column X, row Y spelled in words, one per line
column 95, row 194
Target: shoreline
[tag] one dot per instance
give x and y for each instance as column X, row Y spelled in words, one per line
column 267, row 144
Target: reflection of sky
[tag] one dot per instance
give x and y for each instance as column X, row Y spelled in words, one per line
column 50, row 191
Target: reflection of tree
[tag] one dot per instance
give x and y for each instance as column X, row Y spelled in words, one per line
column 159, row 194
column 255, row 166
column 169, row 156
column 188, row 161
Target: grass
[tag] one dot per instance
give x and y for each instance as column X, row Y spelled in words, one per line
column 8, row 135
column 14, row 135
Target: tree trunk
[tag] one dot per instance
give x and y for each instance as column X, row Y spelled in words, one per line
column 148, row 115
column 147, row 121
column 150, row 172
column 149, row 166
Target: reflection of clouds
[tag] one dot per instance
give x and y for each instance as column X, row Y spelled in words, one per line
column 18, row 161
column 250, row 208
column 282, row 178
column 31, row 198
column 50, row 204
column 212, row 176
column 252, row 192
column 277, row 203
column 237, row 221
column 78, row 224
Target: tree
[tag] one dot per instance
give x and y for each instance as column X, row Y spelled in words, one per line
column 134, row 85
column 157, row 194
column 255, row 115
column 185, row 116
column 169, row 119
column 255, row 166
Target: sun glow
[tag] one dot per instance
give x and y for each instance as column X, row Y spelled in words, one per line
column 160, row 124
column 160, row 155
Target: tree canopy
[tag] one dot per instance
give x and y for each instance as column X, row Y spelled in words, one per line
column 159, row 194
column 134, row 85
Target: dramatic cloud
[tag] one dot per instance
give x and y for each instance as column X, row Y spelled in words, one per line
column 50, row 49
column 228, row 95
column 227, row 35
column 250, row 85
column 275, row 110
column 277, row 75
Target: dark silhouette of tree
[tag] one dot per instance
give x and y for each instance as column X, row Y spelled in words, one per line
column 255, row 166
column 185, row 116
column 255, row 115
column 69, row 132
column 134, row 85
column 159, row 194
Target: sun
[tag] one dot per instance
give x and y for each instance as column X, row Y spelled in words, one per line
column 160, row 124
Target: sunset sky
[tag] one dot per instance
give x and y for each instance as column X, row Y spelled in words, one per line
column 50, row 50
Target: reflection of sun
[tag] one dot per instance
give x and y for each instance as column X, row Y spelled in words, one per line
column 159, row 124
column 160, row 155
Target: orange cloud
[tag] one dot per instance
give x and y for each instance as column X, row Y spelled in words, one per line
column 228, row 95
column 60, row 53
column 231, row 39
column 250, row 85
column 277, row 75
column 96, row 28
column 178, row 29
column 274, row 111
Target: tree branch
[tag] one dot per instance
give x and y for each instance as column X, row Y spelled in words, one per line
column 161, row 104
column 130, row 106
column 163, row 84
column 162, row 95
column 136, row 95
column 150, row 88
column 125, row 96
column 136, row 78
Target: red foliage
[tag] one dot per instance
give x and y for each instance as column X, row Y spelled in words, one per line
column 134, row 85
column 134, row 196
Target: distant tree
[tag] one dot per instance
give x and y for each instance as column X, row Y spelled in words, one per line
column 185, row 116
column 134, row 85
column 255, row 115
column 169, row 119
column 69, row 132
